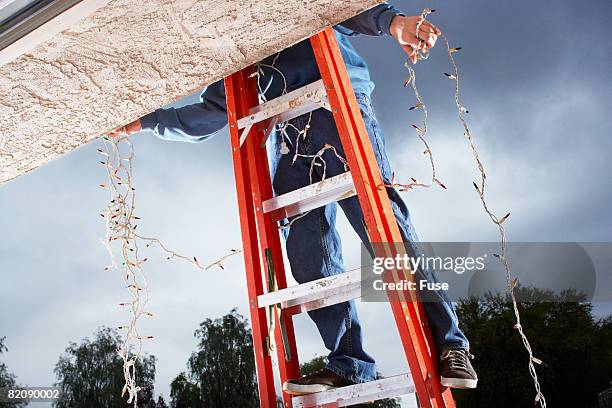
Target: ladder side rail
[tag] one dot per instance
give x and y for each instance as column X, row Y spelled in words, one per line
column 236, row 108
column 269, row 237
column 380, row 221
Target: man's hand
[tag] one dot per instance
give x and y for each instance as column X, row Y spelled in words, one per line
column 133, row 127
column 404, row 30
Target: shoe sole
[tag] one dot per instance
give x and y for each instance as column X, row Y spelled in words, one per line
column 297, row 389
column 458, row 383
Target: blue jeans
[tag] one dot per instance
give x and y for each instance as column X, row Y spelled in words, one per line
column 313, row 244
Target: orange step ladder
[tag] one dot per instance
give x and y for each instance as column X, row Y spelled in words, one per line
column 259, row 209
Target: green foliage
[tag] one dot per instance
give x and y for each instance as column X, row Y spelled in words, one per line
column 90, row 374
column 318, row 363
column 184, row 393
column 7, row 379
column 314, row 365
column 221, row 372
column 575, row 348
column 161, row 403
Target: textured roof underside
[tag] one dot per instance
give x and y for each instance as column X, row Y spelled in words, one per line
column 129, row 58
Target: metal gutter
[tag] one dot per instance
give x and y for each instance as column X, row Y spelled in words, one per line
column 39, row 22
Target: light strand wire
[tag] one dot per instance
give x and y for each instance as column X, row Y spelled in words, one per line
column 511, row 281
column 316, row 160
column 120, row 226
column 122, row 244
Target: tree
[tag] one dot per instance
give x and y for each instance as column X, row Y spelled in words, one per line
column 90, row 374
column 184, row 393
column 221, row 372
column 575, row 348
column 161, row 403
column 318, row 363
column 7, row 379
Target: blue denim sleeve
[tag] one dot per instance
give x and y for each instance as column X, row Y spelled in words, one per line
column 375, row 21
column 192, row 123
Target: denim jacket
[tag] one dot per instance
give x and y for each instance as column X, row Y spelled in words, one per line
column 199, row 121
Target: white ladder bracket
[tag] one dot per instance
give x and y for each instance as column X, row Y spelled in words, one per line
column 315, row 294
column 288, row 106
column 310, row 197
column 390, row 387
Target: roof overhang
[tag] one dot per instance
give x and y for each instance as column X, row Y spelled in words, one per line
column 96, row 64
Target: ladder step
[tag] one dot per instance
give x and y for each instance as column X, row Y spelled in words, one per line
column 316, row 294
column 390, row 387
column 310, row 197
column 288, row 106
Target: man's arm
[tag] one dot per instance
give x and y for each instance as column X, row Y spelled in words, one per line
column 192, row 123
column 375, row 21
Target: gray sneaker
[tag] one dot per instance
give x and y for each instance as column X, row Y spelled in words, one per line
column 456, row 371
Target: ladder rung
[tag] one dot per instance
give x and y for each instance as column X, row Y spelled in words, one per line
column 310, row 197
column 285, row 107
column 390, row 387
column 316, row 294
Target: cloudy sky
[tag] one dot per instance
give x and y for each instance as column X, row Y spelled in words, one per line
column 536, row 80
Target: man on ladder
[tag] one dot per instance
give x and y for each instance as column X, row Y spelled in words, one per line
column 313, row 244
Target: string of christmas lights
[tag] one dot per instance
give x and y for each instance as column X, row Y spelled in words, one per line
column 122, row 242
column 219, row 262
column 316, row 160
column 421, row 133
column 512, row 281
column 259, row 73
column 120, row 226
